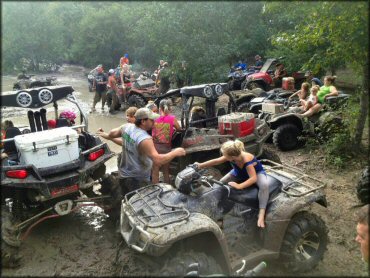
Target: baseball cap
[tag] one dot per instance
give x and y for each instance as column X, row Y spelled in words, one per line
column 111, row 71
column 145, row 113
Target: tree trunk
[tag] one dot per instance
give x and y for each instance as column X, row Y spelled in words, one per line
column 364, row 107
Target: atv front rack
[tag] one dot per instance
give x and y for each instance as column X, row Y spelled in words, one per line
column 149, row 208
column 299, row 184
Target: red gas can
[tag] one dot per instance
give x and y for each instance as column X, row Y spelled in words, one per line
column 237, row 124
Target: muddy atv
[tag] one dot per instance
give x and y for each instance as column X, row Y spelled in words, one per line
column 263, row 78
column 34, row 82
column 47, row 171
column 284, row 117
column 203, row 143
column 141, row 92
column 206, row 222
column 236, row 77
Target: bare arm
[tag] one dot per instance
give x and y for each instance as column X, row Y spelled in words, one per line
column 177, row 125
column 252, row 179
column 296, row 93
column 333, row 92
column 105, row 135
column 115, row 132
column 147, row 147
column 212, row 162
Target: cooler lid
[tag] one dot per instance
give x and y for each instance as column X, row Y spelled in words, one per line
column 47, row 137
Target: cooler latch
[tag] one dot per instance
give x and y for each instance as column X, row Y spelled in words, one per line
column 34, row 147
column 67, row 143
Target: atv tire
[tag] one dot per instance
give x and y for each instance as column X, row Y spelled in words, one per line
column 304, row 243
column 231, row 85
column 286, row 136
column 177, row 265
column 253, row 85
column 137, row 101
column 362, row 189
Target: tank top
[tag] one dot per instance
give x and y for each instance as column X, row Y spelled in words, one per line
column 324, row 90
column 134, row 164
column 163, row 129
column 242, row 173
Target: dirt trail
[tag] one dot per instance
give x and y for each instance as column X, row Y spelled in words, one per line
column 86, row 243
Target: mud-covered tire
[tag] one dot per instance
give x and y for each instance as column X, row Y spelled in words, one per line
column 231, row 85
column 177, row 265
column 286, row 136
column 253, row 85
column 137, row 101
column 304, row 243
column 363, row 188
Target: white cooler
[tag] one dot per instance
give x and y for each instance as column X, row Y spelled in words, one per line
column 48, row 148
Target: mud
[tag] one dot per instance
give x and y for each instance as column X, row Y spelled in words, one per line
column 86, row 242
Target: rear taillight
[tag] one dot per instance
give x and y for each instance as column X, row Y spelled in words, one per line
column 17, row 174
column 95, row 155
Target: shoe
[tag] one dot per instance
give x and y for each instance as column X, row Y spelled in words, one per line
column 92, row 110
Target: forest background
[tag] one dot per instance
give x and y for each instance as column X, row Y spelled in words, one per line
column 210, row 36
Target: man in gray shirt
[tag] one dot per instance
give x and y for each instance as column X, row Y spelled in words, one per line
column 138, row 151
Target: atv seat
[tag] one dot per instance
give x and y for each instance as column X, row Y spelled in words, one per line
column 249, row 196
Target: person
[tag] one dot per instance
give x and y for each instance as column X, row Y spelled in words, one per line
column 164, row 76
column 279, row 73
column 325, row 91
column 311, row 79
column 112, row 91
column 197, row 113
column 258, row 65
column 312, row 99
column 302, row 93
column 138, row 151
column 100, row 83
column 124, row 60
column 4, row 125
column 247, row 170
column 130, row 117
column 152, row 106
column 23, row 75
column 241, row 65
column 362, row 229
column 125, row 81
column 162, row 133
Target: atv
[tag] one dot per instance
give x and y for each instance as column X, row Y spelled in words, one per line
column 236, row 77
column 283, row 116
column 206, row 222
column 47, row 171
column 31, row 82
column 203, row 143
column 263, row 78
column 142, row 90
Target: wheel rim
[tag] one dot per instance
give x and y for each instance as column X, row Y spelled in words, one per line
column 307, row 246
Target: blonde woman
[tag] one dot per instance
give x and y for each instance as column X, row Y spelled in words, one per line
column 247, row 170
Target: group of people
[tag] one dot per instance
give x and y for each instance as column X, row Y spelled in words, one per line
column 243, row 65
column 312, row 96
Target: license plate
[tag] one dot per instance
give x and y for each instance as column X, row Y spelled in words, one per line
column 64, row 190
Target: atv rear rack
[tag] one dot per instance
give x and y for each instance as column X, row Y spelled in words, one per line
column 301, row 183
column 150, row 209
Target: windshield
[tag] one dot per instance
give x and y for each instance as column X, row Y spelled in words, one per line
column 267, row 65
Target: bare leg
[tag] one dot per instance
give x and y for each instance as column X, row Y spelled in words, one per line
column 155, row 174
column 263, row 196
column 166, row 173
column 314, row 109
column 227, row 178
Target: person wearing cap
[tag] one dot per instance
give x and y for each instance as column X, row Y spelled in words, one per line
column 152, row 106
column 280, row 72
column 362, row 229
column 258, row 65
column 311, row 79
column 138, row 151
column 100, row 83
column 112, row 91
column 162, row 133
column 124, row 60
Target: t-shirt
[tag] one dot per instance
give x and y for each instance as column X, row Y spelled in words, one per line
column 324, row 90
column 259, row 64
column 163, row 129
column 112, row 82
column 101, row 77
column 134, row 164
column 123, row 61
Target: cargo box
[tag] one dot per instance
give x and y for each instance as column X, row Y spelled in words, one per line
column 48, row 148
column 274, row 108
column 237, row 124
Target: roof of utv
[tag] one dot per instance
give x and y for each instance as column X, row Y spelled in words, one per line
column 210, row 91
column 35, row 97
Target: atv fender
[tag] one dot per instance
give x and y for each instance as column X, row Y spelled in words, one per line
column 281, row 212
column 155, row 241
column 245, row 97
column 292, row 118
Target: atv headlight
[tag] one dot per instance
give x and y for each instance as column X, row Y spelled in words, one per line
column 218, row 89
column 207, row 91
